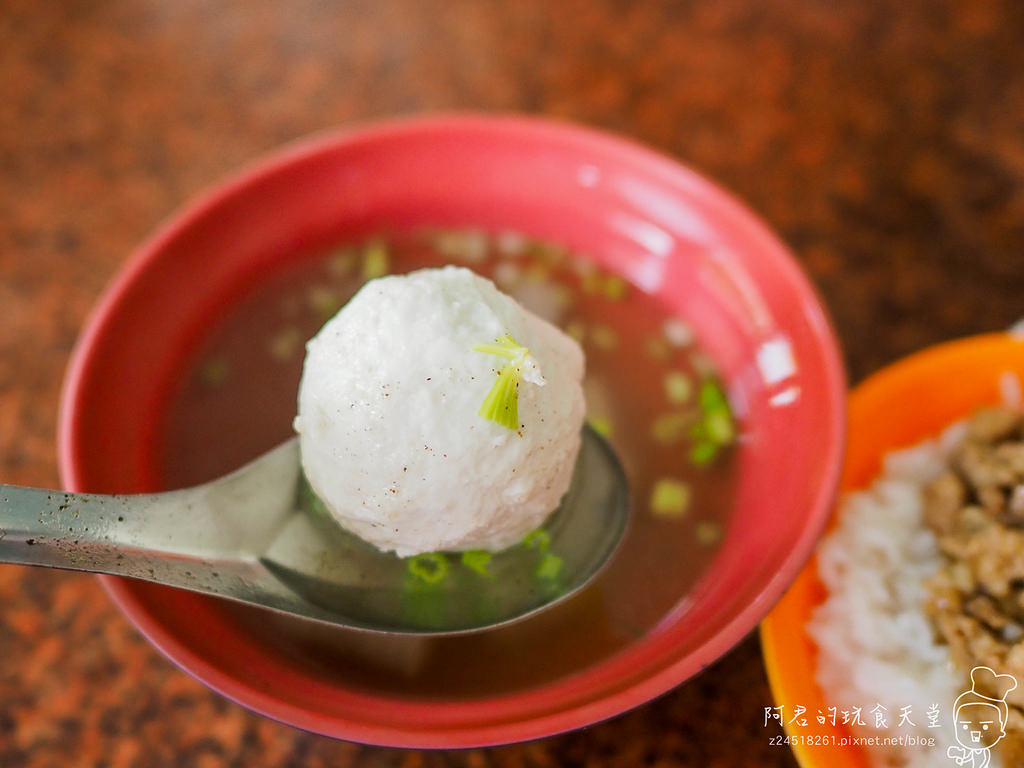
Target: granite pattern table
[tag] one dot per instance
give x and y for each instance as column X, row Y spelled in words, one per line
column 884, row 141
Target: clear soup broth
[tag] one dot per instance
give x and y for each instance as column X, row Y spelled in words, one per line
column 649, row 389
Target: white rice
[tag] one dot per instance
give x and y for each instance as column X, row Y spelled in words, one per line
column 876, row 643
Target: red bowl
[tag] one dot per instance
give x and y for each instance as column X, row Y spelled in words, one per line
column 661, row 226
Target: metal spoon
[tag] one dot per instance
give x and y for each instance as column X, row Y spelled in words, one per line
column 260, row 536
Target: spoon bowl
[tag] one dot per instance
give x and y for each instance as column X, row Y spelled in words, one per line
column 261, row 536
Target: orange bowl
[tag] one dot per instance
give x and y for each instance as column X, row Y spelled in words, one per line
column 904, row 403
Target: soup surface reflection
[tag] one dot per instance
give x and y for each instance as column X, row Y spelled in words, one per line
column 648, row 389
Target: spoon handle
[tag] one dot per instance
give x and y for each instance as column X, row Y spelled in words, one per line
column 180, row 538
column 84, row 532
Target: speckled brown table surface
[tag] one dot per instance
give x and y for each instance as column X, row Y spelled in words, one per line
column 883, row 140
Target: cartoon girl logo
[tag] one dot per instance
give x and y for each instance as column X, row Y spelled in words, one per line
column 980, row 717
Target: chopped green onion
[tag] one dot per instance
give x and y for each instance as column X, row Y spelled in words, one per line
column 601, row 424
column 502, row 402
column 678, row 387
column 604, row 337
column 670, row 498
column 548, row 252
column 430, row 567
column 576, row 330
column 538, row 273
column 309, row 500
column 712, row 398
column 324, row 301
column 505, row 346
column 285, row 343
column 538, row 539
column 465, row 245
column 703, row 453
column 671, row 427
column 549, row 568
column 477, row 560
column 375, row 260
column 718, row 425
column 615, row 288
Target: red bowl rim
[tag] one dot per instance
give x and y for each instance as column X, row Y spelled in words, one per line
column 546, row 721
